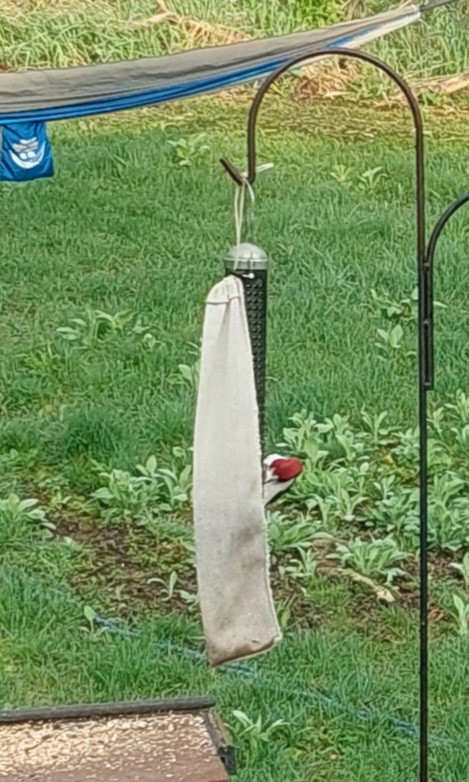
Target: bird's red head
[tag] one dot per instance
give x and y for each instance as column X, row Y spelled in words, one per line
column 286, row 468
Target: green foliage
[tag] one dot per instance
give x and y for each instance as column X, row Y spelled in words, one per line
column 403, row 309
column 28, row 539
column 300, row 569
column 278, row 17
column 365, row 475
column 461, row 614
column 154, row 490
column 255, row 733
column 188, row 151
column 463, row 569
column 436, row 48
column 376, row 559
column 19, row 519
column 188, row 374
column 94, row 325
column 286, row 534
column 390, row 342
column 371, row 179
column 92, row 31
column 169, row 584
column 90, row 615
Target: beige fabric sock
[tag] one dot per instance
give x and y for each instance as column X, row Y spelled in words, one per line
column 230, row 529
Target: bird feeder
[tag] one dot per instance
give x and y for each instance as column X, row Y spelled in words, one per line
column 251, row 264
column 424, row 328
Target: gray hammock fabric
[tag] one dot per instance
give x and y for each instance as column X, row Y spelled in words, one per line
column 46, row 95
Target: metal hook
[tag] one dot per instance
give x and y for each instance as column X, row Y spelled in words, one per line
column 425, row 359
column 241, row 179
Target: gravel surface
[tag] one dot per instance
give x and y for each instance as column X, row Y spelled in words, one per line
column 146, row 748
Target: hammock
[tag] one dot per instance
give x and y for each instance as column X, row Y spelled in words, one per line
column 29, row 99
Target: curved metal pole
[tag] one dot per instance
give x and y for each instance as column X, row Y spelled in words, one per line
column 434, row 237
column 431, row 248
column 441, row 223
column 425, row 345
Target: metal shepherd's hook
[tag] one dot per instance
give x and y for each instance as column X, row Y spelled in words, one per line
column 435, row 236
column 430, row 255
column 425, row 330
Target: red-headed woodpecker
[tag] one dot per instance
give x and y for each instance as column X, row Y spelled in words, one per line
column 279, row 474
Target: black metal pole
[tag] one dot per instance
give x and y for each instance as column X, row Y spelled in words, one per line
column 425, row 345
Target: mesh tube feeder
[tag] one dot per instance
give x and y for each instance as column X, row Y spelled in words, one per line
column 251, row 263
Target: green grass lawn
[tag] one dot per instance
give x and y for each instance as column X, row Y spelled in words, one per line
column 104, row 273
column 317, row 682
column 123, row 228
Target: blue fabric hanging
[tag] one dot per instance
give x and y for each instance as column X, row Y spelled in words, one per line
column 25, row 152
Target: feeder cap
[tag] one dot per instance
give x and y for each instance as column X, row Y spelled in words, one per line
column 246, row 257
